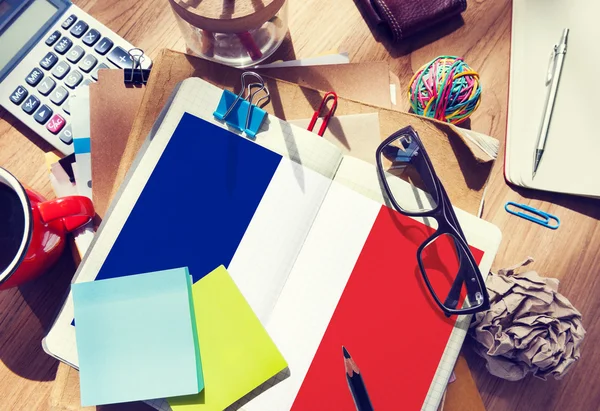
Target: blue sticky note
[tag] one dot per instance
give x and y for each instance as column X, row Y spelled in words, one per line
column 136, row 338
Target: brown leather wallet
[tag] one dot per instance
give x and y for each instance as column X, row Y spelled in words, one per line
column 405, row 17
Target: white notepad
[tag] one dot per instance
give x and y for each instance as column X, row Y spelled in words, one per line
column 570, row 161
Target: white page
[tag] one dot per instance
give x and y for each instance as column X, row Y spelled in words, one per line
column 569, row 162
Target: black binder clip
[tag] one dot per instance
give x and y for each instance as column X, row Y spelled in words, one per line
column 136, row 74
column 239, row 112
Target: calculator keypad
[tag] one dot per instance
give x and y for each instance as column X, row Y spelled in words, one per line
column 88, row 63
column 91, row 37
column 61, row 70
column 74, row 53
column 52, row 38
column 59, row 95
column 46, row 86
column 18, row 95
column 49, row 61
column 43, row 114
column 103, row 46
column 67, row 135
column 63, row 45
column 30, row 104
column 120, row 58
column 69, row 21
column 34, row 77
column 73, row 79
column 56, row 123
column 79, row 28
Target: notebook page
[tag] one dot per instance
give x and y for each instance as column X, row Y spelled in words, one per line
column 362, row 177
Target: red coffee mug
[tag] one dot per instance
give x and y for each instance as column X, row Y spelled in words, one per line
column 39, row 238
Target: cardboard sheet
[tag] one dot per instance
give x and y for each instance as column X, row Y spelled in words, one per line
column 462, row 166
column 113, row 105
column 354, row 134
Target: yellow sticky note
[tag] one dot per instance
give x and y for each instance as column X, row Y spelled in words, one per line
column 237, row 353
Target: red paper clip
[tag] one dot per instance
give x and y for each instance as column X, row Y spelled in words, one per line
column 328, row 96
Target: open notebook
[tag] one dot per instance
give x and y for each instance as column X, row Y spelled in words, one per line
column 289, row 222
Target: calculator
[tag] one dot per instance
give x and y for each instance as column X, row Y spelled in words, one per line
column 49, row 48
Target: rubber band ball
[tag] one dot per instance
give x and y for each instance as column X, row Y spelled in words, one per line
column 446, row 89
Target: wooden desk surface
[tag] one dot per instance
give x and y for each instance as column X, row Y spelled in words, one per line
column 483, row 38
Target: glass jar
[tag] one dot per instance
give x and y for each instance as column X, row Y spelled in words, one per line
column 238, row 33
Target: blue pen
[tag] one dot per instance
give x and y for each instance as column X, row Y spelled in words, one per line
column 533, row 214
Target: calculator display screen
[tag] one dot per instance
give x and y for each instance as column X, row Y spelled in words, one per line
column 21, row 30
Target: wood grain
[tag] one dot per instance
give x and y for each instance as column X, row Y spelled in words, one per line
column 482, row 36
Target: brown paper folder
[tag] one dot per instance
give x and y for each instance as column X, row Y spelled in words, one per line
column 462, row 167
column 113, row 105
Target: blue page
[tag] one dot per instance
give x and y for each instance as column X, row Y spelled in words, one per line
column 197, row 204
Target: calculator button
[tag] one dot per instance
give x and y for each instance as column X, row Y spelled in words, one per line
column 63, row 45
column 18, row 95
column 95, row 73
column 61, row 70
column 34, row 77
column 67, row 135
column 46, row 86
column 52, row 38
column 79, row 29
column 73, row 79
column 59, row 95
column 103, row 47
column 86, row 82
column 49, row 61
column 69, row 21
column 67, row 107
column 120, row 58
column 30, row 104
column 43, row 114
column 56, row 123
column 91, row 37
column 75, row 54
column 88, row 63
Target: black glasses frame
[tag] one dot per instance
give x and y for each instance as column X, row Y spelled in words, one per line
column 443, row 213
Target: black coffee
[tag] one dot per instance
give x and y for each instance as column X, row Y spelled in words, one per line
column 12, row 225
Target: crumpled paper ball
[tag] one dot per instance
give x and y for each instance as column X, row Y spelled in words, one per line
column 530, row 326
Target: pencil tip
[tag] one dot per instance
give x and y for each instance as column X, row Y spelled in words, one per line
column 346, row 353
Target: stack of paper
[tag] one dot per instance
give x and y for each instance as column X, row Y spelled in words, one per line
column 569, row 163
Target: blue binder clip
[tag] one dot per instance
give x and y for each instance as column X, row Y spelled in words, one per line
column 239, row 112
column 533, row 214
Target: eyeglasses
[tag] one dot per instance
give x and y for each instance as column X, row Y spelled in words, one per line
column 413, row 188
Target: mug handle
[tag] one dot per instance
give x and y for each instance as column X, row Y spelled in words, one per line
column 74, row 211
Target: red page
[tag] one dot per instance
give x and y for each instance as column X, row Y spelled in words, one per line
column 387, row 320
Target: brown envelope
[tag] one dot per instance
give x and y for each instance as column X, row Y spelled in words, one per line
column 112, row 109
column 113, row 106
column 463, row 168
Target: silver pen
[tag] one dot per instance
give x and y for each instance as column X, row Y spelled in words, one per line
column 554, row 71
